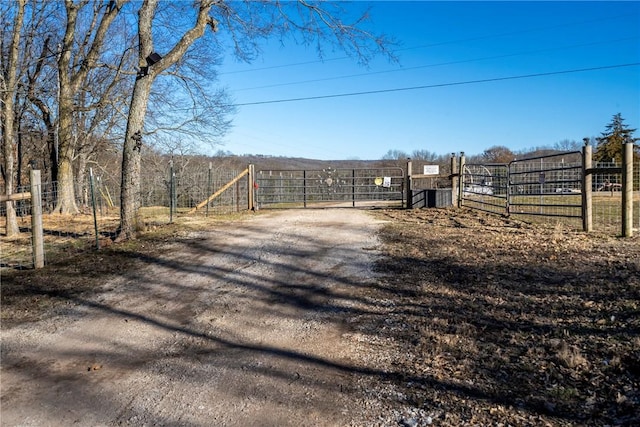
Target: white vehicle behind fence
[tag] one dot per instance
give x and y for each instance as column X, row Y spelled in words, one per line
column 478, row 189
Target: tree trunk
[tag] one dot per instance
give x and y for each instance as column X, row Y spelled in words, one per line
column 130, row 187
column 71, row 73
column 8, row 117
column 53, row 151
column 12, row 219
column 66, row 201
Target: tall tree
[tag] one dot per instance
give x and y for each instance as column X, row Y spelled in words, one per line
column 36, row 95
column 245, row 23
column 150, row 65
column 38, row 98
column 8, row 87
column 78, row 57
column 609, row 144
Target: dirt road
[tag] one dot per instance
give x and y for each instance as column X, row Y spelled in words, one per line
column 243, row 325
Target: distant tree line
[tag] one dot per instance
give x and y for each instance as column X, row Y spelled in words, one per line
column 608, row 148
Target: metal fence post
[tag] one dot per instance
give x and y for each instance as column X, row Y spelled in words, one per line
column 208, row 188
column 587, row 187
column 454, row 178
column 304, row 188
column 627, row 189
column 171, row 190
column 408, row 184
column 353, row 188
column 36, row 219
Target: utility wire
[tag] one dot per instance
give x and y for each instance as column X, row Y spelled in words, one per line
column 462, row 61
column 424, row 46
column 466, row 82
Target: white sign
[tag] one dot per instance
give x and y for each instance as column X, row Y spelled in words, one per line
column 431, row 170
column 386, row 182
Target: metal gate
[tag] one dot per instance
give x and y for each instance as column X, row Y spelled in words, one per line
column 330, row 188
column 548, row 186
column 541, row 186
column 485, row 187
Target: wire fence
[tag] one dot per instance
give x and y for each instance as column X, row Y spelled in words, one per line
column 607, row 199
column 548, row 190
column 167, row 193
column 164, row 197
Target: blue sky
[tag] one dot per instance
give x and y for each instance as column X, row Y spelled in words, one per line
column 445, row 47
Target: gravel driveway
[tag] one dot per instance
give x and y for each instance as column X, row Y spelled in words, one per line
column 243, row 325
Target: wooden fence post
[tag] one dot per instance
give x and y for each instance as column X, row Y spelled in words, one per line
column 36, row 219
column 627, row 189
column 587, row 187
column 454, row 179
column 461, row 178
column 252, row 188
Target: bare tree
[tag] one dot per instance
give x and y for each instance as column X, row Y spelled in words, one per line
column 428, row 156
column 47, row 116
column 150, row 65
column 103, row 98
column 308, row 22
column 36, row 81
column 567, row 145
column 8, row 86
column 78, row 57
column 497, row 154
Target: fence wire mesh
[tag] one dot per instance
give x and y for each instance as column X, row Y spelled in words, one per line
column 607, row 198
column 549, row 199
column 548, row 190
column 70, row 234
column 362, row 186
column 485, row 187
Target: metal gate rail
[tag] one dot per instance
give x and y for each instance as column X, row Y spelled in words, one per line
column 484, row 187
column 364, row 187
column 546, row 185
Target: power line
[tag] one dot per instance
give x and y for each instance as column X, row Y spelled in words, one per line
column 436, row 44
column 466, row 82
column 462, row 61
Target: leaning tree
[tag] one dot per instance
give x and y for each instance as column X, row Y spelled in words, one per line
column 245, row 24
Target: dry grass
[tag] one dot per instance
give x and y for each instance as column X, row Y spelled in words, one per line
column 70, row 235
column 512, row 323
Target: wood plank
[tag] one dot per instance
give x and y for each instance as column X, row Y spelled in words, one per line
column 219, row 192
column 14, row 197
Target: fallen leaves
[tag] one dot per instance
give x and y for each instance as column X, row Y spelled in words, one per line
column 528, row 325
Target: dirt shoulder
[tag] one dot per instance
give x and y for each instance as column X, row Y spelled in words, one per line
column 507, row 323
column 331, row 317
